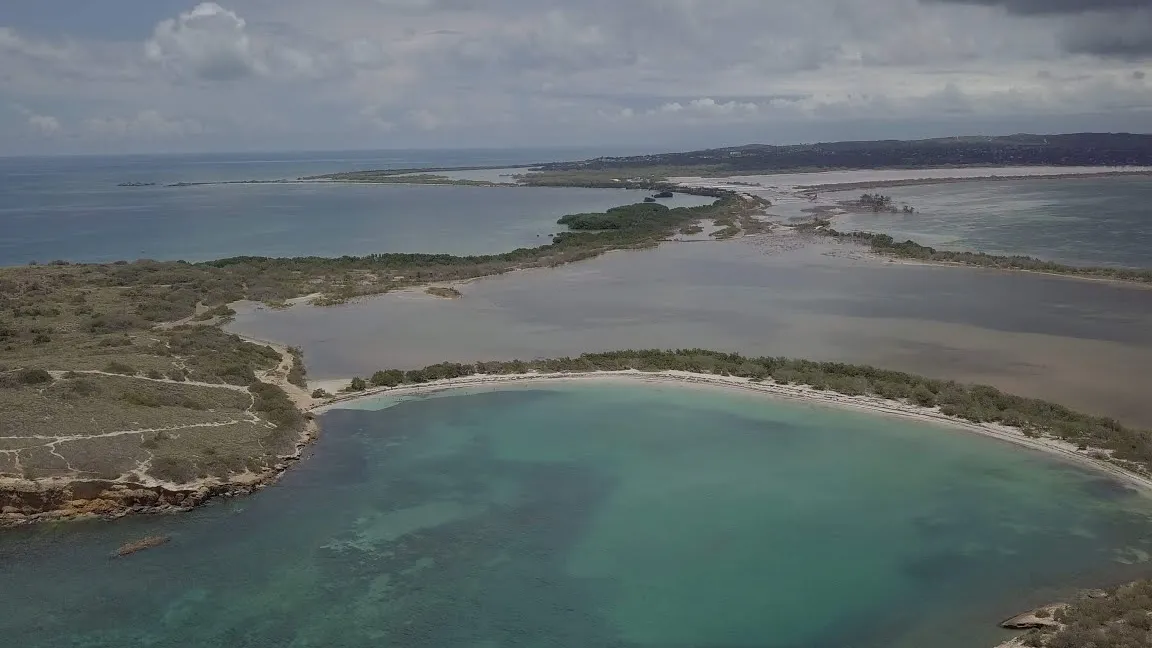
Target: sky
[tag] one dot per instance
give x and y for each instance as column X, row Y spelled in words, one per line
column 112, row 76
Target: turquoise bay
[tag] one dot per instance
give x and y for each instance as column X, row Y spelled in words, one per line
column 595, row 514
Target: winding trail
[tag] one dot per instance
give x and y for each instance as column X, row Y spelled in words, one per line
column 193, row 383
column 52, row 442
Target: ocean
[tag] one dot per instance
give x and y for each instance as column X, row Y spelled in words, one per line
column 595, row 515
column 71, row 208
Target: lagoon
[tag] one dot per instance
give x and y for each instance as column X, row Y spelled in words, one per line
column 1104, row 221
column 1086, row 344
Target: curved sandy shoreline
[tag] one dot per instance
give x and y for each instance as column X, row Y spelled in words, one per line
column 802, row 393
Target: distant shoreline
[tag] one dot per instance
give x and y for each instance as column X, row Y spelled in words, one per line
column 387, row 177
column 911, row 182
column 800, row 393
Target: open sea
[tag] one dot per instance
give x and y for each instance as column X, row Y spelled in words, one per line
column 595, row 516
column 71, row 208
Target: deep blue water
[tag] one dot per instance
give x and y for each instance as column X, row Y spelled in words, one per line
column 71, row 207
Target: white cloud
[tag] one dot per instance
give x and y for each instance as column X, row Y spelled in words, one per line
column 208, row 42
column 12, row 43
column 45, row 125
column 296, row 73
column 425, row 119
column 145, row 124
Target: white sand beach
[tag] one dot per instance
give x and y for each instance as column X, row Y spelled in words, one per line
column 871, row 404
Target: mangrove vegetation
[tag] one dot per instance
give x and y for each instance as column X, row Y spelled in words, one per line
column 888, row 246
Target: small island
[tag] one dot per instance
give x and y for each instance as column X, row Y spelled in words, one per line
column 444, row 292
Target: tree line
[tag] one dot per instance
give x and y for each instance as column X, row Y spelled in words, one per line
column 885, row 244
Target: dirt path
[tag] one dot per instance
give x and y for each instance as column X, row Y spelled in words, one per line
column 193, row 383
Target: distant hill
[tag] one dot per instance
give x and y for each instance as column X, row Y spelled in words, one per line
column 1078, row 149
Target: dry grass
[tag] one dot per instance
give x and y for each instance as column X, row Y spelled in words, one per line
column 98, row 426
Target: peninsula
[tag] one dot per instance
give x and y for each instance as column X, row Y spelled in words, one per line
column 123, row 394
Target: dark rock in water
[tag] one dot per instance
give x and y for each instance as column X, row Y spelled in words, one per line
column 142, row 544
column 1094, row 594
column 664, row 194
column 649, row 199
column 136, row 184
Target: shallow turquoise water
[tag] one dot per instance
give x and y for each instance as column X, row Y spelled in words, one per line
column 595, row 515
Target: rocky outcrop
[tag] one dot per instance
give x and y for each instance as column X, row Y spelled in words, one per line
column 1041, row 617
column 149, row 542
column 27, row 501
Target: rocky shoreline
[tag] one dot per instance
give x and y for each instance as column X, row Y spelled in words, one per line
column 24, row 501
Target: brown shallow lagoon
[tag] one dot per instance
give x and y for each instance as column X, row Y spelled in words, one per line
column 1086, row 344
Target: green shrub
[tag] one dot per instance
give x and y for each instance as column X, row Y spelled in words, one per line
column 297, row 375
column 390, row 378
column 35, row 377
column 276, row 406
column 113, row 342
column 115, row 322
column 173, row 469
column 82, row 387
column 238, row 375
column 117, row 367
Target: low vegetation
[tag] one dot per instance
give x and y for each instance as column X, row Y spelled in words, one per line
column 1122, row 619
column 402, row 176
column 881, row 203
column 298, row 374
column 1078, row 149
column 641, row 216
column 111, row 330
column 886, row 245
column 444, row 292
column 221, row 313
column 81, row 425
column 1128, row 448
